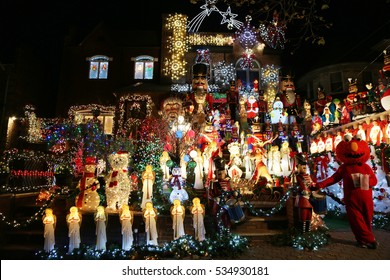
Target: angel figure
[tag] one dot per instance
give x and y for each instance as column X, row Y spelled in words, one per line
column 150, row 217
column 126, row 219
column 49, row 220
column 73, row 220
column 198, row 212
column 177, row 213
column 101, row 218
column 163, row 164
column 197, row 156
column 285, row 164
column 148, row 177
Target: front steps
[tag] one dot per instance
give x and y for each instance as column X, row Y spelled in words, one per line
column 23, row 242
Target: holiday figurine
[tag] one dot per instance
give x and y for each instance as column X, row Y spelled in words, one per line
column 101, row 218
column 358, row 181
column 319, row 104
column 305, row 187
column 198, row 213
column 73, row 220
column 148, row 178
column 126, row 218
column 289, row 98
column 316, row 123
column 177, row 214
column 164, row 165
column 197, row 157
column 150, row 217
column 177, row 184
column 88, row 198
column 118, row 185
column 252, row 107
column 49, row 220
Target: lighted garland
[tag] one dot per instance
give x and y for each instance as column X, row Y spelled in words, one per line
column 224, row 245
column 37, row 216
column 312, row 240
column 197, row 39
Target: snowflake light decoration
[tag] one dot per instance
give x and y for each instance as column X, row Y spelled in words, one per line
column 270, row 74
column 209, row 7
column 223, row 73
column 247, row 35
column 273, row 34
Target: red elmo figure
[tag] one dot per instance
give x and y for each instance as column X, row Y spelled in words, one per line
column 358, row 179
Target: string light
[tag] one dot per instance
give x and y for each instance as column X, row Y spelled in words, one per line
column 174, row 66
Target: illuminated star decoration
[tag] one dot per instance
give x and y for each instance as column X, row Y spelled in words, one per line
column 207, row 9
column 274, row 33
column 247, row 35
column 229, row 18
column 224, row 73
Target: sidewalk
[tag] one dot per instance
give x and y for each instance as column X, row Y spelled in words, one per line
column 341, row 247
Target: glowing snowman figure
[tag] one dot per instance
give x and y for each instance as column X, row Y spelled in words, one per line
column 277, row 113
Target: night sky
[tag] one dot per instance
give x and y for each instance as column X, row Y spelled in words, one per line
column 43, row 24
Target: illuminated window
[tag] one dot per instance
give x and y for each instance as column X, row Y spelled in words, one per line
column 98, row 66
column 248, row 75
column 143, row 67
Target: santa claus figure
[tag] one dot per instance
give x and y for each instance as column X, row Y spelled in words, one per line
column 252, row 107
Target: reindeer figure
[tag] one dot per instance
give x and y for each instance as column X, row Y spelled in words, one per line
column 261, row 170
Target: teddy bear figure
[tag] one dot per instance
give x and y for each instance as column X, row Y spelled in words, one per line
column 88, row 198
column 118, row 185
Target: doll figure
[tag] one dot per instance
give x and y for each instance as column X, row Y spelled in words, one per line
column 196, row 155
column 148, row 177
column 306, row 186
column 73, row 220
column 49, row 220
column 150, row 217
column 126, row 220
column 198, row 212
column 177, row 214
column 101, row 222
column 329, row 143
column 320, row 145
column 337, row 139
column 276, row 159
column 361, row 132
column 235, row 171
column 375, row 135
column 248, row 165
column 163, row 164
column 285, row 163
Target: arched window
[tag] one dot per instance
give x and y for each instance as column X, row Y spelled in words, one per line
column 98, row 66
column 143, row 67
column 248, row 75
